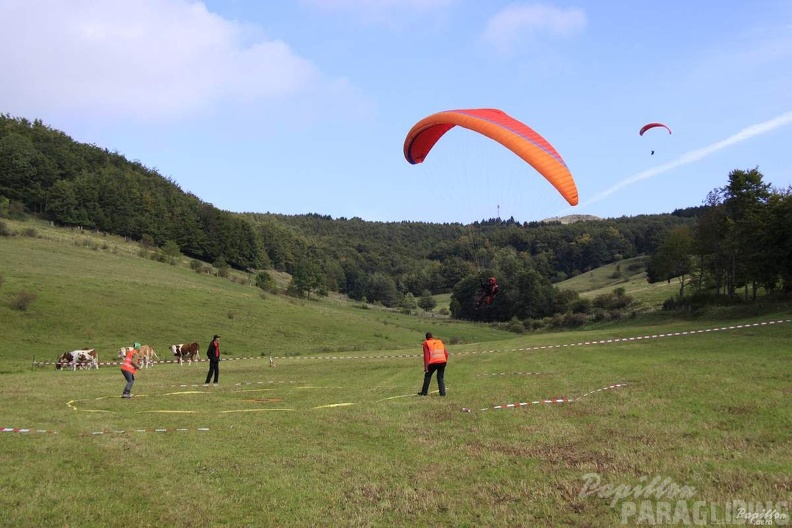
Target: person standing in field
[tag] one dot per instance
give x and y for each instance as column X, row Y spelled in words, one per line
column 213, row 353
column 435, row 357
column 129, row 368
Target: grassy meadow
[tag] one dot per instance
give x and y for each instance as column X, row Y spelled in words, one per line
column 334, row 434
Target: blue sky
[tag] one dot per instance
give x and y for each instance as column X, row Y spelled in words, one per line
column 302, row 106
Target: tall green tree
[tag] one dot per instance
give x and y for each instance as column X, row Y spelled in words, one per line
column 673, row 259
column 382, row 288
column 307, row 278
column 745, row 200
column 426, row 301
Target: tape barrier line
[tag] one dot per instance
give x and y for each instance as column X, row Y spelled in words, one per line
column 524, row 404
column 512, row 374
column 241, row 384
column 523, row 349
column 559, row 399
column 252, row 410
column 97, row 433
column 25, row 430
column 395, row 397
column 156, row 430
column 609, row 387
column 168, row 412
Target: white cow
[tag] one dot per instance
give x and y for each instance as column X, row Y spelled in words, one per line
column 145, row 355
column 83, row 358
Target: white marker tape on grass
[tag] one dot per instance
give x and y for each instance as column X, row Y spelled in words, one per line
column 169, row 412
column 609, row 387
column 512, row 374
column 553, row 400
column 524, row 349
column 253, row 410
column 157, row 430
column 25, row 430
column 524, row 404
column 399, row 396
column 235, row 384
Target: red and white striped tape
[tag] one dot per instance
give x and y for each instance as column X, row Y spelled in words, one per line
column 95, row 433
column 523, row 349
column 156, row 430
column 511, row 374
column 609, row 387
column 25, row 430
column 558, row 399
column 524, row 404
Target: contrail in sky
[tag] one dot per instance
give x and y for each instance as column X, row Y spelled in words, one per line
column 695, row 155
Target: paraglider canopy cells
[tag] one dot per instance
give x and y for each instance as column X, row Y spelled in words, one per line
column 498, row 126
column 650, row 126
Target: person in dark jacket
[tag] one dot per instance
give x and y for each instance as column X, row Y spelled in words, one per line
column 213, row 353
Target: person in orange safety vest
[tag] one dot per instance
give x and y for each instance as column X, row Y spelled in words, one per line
column 128, row 368
column 435, row 357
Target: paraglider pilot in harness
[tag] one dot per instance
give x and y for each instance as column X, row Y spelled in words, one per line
column 488, row 292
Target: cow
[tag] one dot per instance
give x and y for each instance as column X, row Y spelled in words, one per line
column 145, row 355
column 187, row 351
column 83, row 358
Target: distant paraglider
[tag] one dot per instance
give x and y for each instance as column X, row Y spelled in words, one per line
column 653, row 125
column 501, row 127
column 649, row 126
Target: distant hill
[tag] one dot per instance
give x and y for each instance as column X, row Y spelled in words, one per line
column 45, row 173
column 66, row 288
column 571, row 219
column 629, row 274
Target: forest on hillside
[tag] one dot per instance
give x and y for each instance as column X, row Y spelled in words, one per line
column 739, row 237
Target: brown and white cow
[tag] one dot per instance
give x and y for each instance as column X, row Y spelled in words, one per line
column 188, row 351
column 78, row 359
column 145, row 355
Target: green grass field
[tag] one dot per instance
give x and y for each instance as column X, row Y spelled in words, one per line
column 334, row 434
column 629, row 274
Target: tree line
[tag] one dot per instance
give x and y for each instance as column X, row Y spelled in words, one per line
column 740, row 245
column 75, row 184
column 45, row 172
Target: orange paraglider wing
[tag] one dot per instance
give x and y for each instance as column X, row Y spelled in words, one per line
column 652, row 125
column 499, row 126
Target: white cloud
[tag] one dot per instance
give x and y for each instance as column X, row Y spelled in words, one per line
column 380, row 5
column 392, row 14
column 509, row 26
column 147, row 59
column 698, row 154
